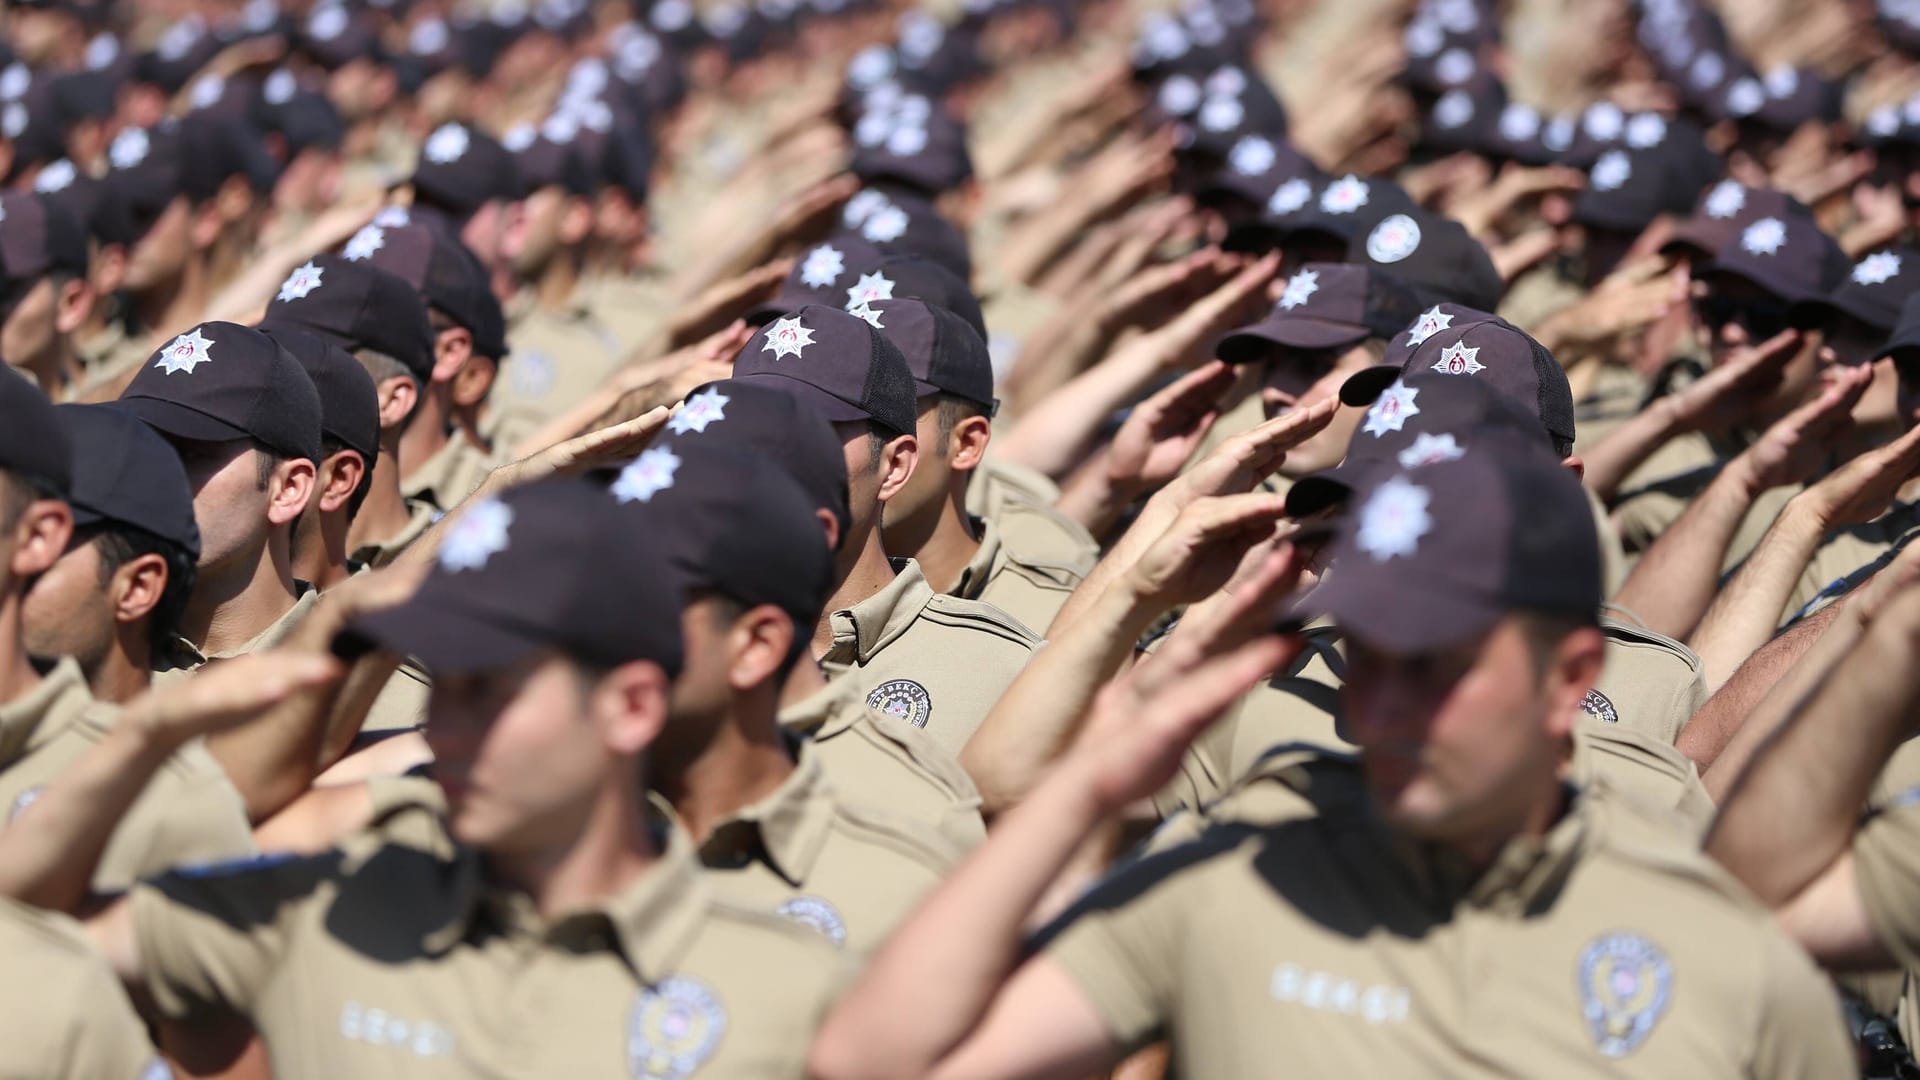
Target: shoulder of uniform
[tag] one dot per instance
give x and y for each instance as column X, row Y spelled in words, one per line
column 917, row 750
column 876, row 827
column 1297, row 779
column 25, row 926
column 190, row 762
column 766, row 929
column 1636, row 834
column 979, row 615
column 1051, row 578
column 1633, row 635
column 1039, row 535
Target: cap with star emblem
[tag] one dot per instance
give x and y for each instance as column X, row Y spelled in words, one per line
column 945, row 354
column 1434, row 555
column 1872, row 291
column 358, row 306
column 125, row 473
column 836, row 363
column 1324, row 306
column 555, row 565
column 903, row 222
column 33, row 445
column 1628, row 186
column 1903, row 344
column 349, row 400
column 38, row 237
column 1434, row 255
column 762, row 415
column 443, row 271
column 1787, row 256
column 868, row 275
column 926, row 153
column 221, row 381
column 1722, row 212
column 462, row 169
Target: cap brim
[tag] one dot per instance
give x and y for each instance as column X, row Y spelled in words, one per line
column 776, row 308
column 1365, row 386
column 1389, row 610
column 1252, row 343
column 1693, row 240
column 448, row 640
column 179, row 421
column 1810, row 313
column 835, row 409
column 1253, row 237
column 1327, row 488
column 1770, row 282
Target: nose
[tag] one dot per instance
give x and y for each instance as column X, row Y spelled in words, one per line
column 1733, row 334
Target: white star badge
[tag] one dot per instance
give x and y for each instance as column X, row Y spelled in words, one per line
column 447, row 144
column 787, row 337
column 392, row 217
column 1289, row 197
column 1646, row 131
column 1459, row 359
column 699, row 411
column 863, row 206
column 1345, row 195
column 1391, row 411
column 1877, row 268
column 648, row 475
column 1394, row 520
column 1518, row 122
column 1299, row 287
column 1611, row 171
column 1725, row 200
column 1179, row 95
column 1764, row 237
column 823, row 267
column 886, row 225
column 906, row 141
column 1430, row 322
column 476, row 536
column 865, row 311
column 57, row 176
column 1393, row 239
column 870, row 287
column 302, row 281
column 1782, row 81
column 369, row 239
column 1222, row 114
column 1431, row 449
column 188, row 351
column 1745, row 97
column 1454, row 109
column 129, row 148
column 1251, row 156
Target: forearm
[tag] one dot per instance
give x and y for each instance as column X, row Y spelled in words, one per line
column 1736, row 720
column 1154, row 519
column 1747, row 612
column 1610, row 463
column 49, row 859
column 1055, row 432
column 1674, row 583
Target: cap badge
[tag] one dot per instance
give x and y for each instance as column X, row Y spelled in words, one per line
column 187, row 352
column 1394, row 520
column 1625, row 982
column 886, row 225
column 392, row 217
column 787, row 337
column 1454, row 67
column 1424, row 38
column 279, row 87
column 823, row 266
column 869, row 66
column 1345, row 195
column 1883, row 121
column 1764, row 237
column 57, row 176
column 1725, row 200
column 817, row 915
column 1611, row 171
column 1459, row 359
column 129, row 148
column 207, row 90
column 1227, row 81
column 1782, row 81
column 302, row 281
column 476, row 536
column 1881, row 266
column 447, row 144
column 863, row 206
column 1431, row 449
column 1745, row 97
column 1289, row 197
column 1454, row 109
column 1391, row 410
column 1604, row 120
column 647, row 475
column 1299, row 287
column 1596, row 705
column 429, row 36
column 699, row 410
column 1707, row 71
column 13, row 120
column 1179, row 95
column 1646, row 131
column 870, row 287
column 903, row 699
column 865, row 311
column 1519, row 122
column 673, row 1029
column 1393, row 239
column 1430, row 322
column 14, row 81
column 369, row 239
column 907, row 140
column 1222, row 114
column 327, row 23
column 1251, row 156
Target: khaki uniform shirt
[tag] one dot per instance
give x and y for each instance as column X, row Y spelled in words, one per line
column 64, row 1015
column 449, row 476
column 634, row 310
column 555, row 360
column 1850, row 556
column 1027, row 585
column 1658, row 493
column 381, row 553
column 936, row 662
column 847, row 871
column 380, row 959
column 189, row 812
column 878, row 761
column 1886, row 866
column 109, row 357
column 1608, row 947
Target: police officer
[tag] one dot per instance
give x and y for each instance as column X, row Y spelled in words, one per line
column 349, row 448
column 935, row 662
column 1449, row 871
column 44, row 252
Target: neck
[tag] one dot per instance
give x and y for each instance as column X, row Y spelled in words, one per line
column 58, row 370
column 428, row 433
column 745, row 761
column 612, row 850
column 17, row 674
column 171, row 308
column 227, row 610
column 126, row 671
column 1541, row 810
column 554, row 287
column 384, row 513
column 320, row 548
column 869, row 574
column 943, row 547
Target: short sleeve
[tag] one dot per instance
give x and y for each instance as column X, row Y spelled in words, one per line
column 107, row 1038
column 1801, row 1034
column 1886, row 865
column 214, row 936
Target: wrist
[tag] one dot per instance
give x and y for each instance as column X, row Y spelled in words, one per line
column 1741, row 478
column 1808, row 513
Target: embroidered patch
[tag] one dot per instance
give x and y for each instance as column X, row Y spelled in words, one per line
column 700, row 410
column 823, row 267
column 647, row 475
column 363, row 244
column 1431, row 449
column 447, row 144
column 129, row 148
column 1764, row 237
column 672, row 1029
column 903, row 699
column 1625, row 983
column 1391, row 410
column 886, row 225
column 302, row 281
column 1596, row 705
column 1454, row 108
column 1612, row 170
column 1430, row 322
column 1345, row 195
column 57, row 176
column 1459, row 358
column 787, row 337
column 1394, row 520
column 187, row 352
column 1289, row 197
column 1726, row 199
column 1646, row 131
column 1299, row 287
column 1393, row 239
column 476, row 536
column 1251, row 156
column 817, row 915
column 1518, row 122
column 1876, row 269
column 870, row 287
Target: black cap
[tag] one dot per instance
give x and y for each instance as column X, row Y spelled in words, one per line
column 349, row 401
column 1631, row 184
column 1906, row 330
column 221, row 381
column 359, row 306
column 844, row 273
column 1872, row 291
column 192, row 157
column 124, row 473
column 1434, row 255
column 1344, row 209
column 732, row 522
column 1325, row 306
column 553, row 565
column 550, row 156
column 1723, row 211
column 38, row 237
column 462, row 169
column 1788, row 256
column 836, row 363
column 442, row 270
column 912, row 142
column 1460, row 342
column 33, row 445
column 335, row 34
column 767, row 418
column 900, row 222
column 1422, row 418
column 1254, row 168
column 1435, row 555
column 944, row 352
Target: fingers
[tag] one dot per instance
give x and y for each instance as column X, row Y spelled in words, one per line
column 1183, row 401
column 1220, row 516
column 1290, row 429
column 1769, row 356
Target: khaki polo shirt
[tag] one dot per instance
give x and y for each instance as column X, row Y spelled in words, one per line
column 421, row 518
column 1658, row 493
column 1886, row 866
column 108, row 358
column 936, row 662
column 633, row 309
column 1020, row 503
column 1607, row 947
column 555, row 360
column 848, row 872
column 449, row 476
column 381, row 959
column 1849, row 556
column 1011, row 578
column 189, row 812
column 64, row 1016
column 878, row 761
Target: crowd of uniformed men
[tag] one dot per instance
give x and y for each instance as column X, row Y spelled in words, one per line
column 672, row 539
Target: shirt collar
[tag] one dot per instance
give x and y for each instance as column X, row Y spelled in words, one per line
column 383, row 552
column 184, row 654
column 827, row 711
column 1524, row 871
column 973, row 578
column 864, row 629
column 60, row 693
column 788, row 827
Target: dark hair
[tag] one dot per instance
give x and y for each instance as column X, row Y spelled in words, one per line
column 266, row 464
column 383, row 367
column 119, row 545
column 330, row 446
column 877, row 439
column 15, row 495
column 727, row 611
column 1545, row 631
column 952, row 410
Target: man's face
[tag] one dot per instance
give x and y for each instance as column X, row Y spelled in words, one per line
column 69, row 610
column 229, row 502
column 530, row 240
column 701, row 689
column 28, row 335
column 1854, row 342
column 482, row 232
column 1301, row 380
column 517, row 753
column 863, row 480
column 1452, row 742
column 309, row 183
column 1737, row 313
column 160, row 256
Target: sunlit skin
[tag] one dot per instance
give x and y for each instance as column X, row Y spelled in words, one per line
column 1300, row 380
column 1801, row 374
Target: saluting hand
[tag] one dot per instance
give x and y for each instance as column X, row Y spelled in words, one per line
column 1162, row 432
column 226, row 694
column 1726, row 396
column 1203, row 547
column 1864, row 488
column 1795, row 447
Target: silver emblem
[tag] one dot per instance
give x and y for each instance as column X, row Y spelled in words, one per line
column 903, row 699
column 672, row 1029
column 1596, row 705
column 1625, row 984
column 25, row 799
column 817, row 915
column 1393, row 239
column 1394, row 520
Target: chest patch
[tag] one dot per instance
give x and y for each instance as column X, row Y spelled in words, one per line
column 673, row 1029
column 531, row 373
column 817, row 915
column 25, row 799
column 1625, row 984
column 1596, row 705
column 903, row 699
